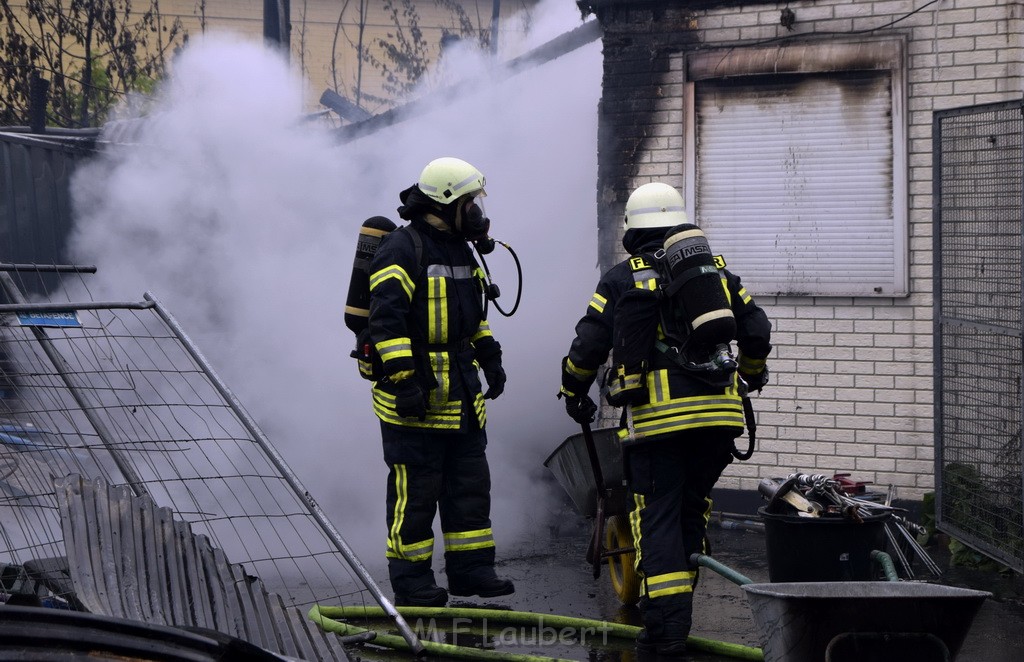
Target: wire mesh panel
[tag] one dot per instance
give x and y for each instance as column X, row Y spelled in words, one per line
column 115, row 391
column 978, row 223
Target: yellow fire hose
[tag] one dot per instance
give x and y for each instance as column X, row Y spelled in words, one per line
column 327, row 617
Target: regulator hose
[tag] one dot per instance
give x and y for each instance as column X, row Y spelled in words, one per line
column 493, row 293
column 325, row 616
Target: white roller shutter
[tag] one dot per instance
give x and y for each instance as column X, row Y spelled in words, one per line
column 795, row 182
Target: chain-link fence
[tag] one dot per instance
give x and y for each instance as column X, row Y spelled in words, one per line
column 978, row 225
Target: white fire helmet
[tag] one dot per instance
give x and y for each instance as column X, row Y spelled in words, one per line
column 447, row 179
column 655, row 205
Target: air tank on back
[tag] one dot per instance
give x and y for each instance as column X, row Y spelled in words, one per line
column 696, row 286
column 357, row 305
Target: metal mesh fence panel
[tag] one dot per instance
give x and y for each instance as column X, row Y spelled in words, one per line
column 117, row 393
column 978, row 173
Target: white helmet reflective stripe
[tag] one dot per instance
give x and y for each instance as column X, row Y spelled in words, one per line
column 447, row 179
column 655, row 205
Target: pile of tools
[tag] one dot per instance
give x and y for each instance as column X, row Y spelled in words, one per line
column 817, row 495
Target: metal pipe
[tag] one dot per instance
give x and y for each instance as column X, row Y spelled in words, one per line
column 16, row 308
column 275, row 458
column 80, row 397
column 49, row 268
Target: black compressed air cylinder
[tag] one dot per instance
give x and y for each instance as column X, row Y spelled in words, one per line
column 696, row 287
column 357, row 305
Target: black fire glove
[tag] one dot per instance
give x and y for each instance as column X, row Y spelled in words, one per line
column 755, row 382
column 410, row 399
column 580, row 408
column 495, row 376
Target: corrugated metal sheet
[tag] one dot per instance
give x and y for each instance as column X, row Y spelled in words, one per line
column 130, row 559
column 35, row 199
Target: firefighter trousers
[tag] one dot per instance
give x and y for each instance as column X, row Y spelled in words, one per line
column 670, row 480
column 430, row 472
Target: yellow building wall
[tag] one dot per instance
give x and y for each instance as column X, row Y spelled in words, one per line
column 325, row 35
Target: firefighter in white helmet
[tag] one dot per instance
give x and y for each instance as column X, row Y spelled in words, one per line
column 666, row 315
column 426, row 322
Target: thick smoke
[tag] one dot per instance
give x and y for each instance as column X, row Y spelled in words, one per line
column 241, row 218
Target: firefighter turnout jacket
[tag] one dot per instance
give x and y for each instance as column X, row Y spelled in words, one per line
column 426, row 322
column 676, row 400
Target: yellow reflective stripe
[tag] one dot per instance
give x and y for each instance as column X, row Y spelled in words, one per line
column 726, row 403
column 689, row 422
column 650, row 284
column 439, row 364
column 437, row 310
column 396, row 272
column 420, row 551
column 465, row 540
column 398, row 516
column 394, row 349
column 622, row 383
column 744, row 297
column 725, row 286
column 639, row 503
column 670, row 584
column 566, row 392
column 751, row 366
column 481, row 410
column 440, row 416
column 578, row 372
column 365, row 368
column 664, row 416
column 484, row 331
column 597, row 302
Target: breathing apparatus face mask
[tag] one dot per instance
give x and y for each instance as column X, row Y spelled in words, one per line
column 472, row 223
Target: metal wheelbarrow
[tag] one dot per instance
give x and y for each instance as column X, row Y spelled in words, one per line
column 872, row 620
column 588, row 466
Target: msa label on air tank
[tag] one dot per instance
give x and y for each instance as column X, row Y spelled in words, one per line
column 56, row 319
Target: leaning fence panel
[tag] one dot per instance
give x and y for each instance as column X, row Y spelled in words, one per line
column 118, row 392
column 978, row 220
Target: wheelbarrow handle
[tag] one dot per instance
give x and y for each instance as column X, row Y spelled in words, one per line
column 595, row 464
column 597, row 542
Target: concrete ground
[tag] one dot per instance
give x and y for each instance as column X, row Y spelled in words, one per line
column 553, row 577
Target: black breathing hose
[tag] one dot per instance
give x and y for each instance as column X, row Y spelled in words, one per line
column 492, row 292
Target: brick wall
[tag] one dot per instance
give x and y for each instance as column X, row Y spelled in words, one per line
column 851, row 377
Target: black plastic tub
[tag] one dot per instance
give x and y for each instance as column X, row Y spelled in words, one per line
column 822, row 549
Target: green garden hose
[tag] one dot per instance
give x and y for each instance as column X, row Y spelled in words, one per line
column 325, row 617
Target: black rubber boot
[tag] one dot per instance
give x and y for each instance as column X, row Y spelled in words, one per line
column 472, row 573
column 666, row 625
column 489, row 587
column 427, row 596
column 414, row 585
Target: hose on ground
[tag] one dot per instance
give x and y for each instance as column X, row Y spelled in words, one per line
column 325, row 616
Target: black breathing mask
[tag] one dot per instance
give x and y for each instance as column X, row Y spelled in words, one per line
column 474, row 225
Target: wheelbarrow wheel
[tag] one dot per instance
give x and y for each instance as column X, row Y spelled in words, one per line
column 625, row 581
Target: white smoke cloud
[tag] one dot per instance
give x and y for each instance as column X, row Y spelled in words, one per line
column 242, row 220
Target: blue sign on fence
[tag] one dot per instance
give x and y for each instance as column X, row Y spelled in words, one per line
column 57, row 319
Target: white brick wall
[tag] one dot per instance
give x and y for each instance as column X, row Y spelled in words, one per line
column 852, row 378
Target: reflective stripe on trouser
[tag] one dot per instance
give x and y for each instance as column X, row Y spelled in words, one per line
column 673, row 582
column 431, row 471
column 670, row 480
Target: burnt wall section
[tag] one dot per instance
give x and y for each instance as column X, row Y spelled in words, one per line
column 638, row 66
